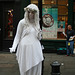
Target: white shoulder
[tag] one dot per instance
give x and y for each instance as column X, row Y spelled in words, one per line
column 22, row 21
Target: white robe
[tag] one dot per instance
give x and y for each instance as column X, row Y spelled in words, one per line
column 29, row 51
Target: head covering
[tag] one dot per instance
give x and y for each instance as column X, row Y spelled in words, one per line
column 34, row 8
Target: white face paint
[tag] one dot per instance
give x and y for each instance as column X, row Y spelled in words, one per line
column 31, row 15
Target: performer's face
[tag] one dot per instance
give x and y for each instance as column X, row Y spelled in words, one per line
column 31, row 15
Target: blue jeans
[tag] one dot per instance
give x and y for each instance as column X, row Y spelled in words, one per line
column 70, row 48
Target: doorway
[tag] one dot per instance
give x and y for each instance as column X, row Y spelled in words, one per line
column 6, row 26
column 9, row 11
column 1, row 23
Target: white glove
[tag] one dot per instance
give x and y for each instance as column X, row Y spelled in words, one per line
column 12, row 50
column 42, row 47
column 40, row 35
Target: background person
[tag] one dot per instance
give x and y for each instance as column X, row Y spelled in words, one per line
column 29, row 51
column 70, row 40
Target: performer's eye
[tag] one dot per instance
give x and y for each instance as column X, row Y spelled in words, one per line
column 28, row 11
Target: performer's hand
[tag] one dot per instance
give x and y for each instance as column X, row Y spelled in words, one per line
column 12, row 50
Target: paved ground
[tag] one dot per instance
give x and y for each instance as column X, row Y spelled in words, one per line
column 9, row 66
column 67, row 64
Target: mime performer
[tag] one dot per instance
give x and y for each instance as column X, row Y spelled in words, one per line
column 27, row 41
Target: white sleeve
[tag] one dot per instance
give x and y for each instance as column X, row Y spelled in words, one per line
column 17, row 36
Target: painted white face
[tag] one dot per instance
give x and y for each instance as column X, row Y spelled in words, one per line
column 31, row 15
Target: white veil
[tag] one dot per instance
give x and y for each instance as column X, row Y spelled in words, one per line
column 32, row 7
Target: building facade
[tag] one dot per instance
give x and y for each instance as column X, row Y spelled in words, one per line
column 55, row 15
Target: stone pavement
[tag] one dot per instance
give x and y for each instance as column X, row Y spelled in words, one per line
column 67, row 64
column 9, row 65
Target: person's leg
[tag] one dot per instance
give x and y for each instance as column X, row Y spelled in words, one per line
column 68, row 53
column 22, row 73
column 36, row 70
column 72, row 47
column 39, row 69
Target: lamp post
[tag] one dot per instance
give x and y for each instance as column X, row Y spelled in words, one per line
column 40, row 11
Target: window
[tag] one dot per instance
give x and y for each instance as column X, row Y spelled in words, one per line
column 62, row 18
column 34, row 1
column 9, row 24
column 55, row 18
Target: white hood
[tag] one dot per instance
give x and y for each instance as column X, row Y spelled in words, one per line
column 32, row 7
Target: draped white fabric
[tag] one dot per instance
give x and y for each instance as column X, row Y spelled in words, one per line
column 36, row 70
column 29, row 51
